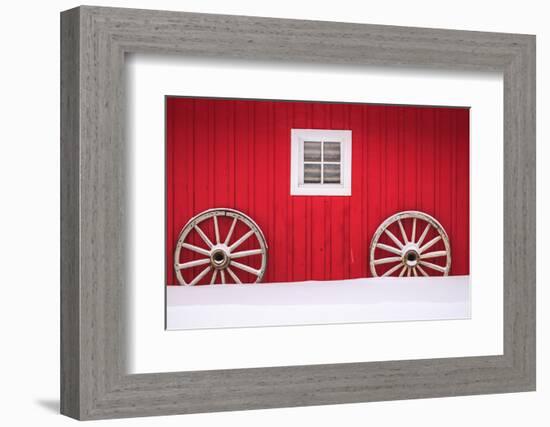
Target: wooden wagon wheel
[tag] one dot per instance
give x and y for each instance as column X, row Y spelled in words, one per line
column 415, row 251
column 221, row 255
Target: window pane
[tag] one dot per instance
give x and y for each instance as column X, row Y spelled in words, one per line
column 331, row 174
column 331, row 152
column 312, row 173
column 312, row 151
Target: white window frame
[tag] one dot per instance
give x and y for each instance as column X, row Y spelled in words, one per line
column 297, row 185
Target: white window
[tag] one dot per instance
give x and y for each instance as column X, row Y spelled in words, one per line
column 320, row 162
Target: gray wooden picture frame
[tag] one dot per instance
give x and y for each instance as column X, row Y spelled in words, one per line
column 94, row 382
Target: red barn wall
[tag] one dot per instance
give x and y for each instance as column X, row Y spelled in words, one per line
column 236, row 154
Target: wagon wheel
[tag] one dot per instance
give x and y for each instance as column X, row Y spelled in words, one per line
column 221, row 257
column 422, row 248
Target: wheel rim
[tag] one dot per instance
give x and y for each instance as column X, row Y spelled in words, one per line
column 410, row 243
column 220, row 258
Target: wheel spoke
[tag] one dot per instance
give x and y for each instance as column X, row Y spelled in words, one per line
column 246, row 253
column 197, row 249
column 394, row 239
column 413, row 233
column 403, row 271
column 216, row 229
column 230, row 232
column 388, row 248
column 422, row 271
column 387, row 260
column 409, row 272
column 423, row 235
column 430, row 244
column 203, row 236
column 433, row 266
column 391, row 270
column 403, row 234
column 241, row 240
column 234, row 276
column 191, row 264
column 222, row 274
column 200, row 276
column 214, row 275
column 433, row 254
column 246, row 268
column 414, row 272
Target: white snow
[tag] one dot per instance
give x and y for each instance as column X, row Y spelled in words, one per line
column 302, row 303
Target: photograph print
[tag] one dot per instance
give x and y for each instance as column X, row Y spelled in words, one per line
column 287, row 212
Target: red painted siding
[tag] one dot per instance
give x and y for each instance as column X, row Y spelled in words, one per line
column 236, row 154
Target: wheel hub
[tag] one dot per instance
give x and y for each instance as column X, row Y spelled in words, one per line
column 410, row 255
column 219, row 257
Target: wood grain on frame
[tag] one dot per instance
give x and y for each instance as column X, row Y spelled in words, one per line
column 94, row 233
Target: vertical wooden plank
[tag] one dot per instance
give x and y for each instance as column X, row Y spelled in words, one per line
column 327, row 213
column 374, row 178
column 200, row 159
column 180, row 182
column 281, row 192
column 409, row 164
column 400, row 145
column 437, row 162
column 454, row 207
column 252, row 166
column 419, row 158
column 221, row 143
column 356, row 227
column 462, row 258
column 444, row 180
column 199, row 164
column 426, row 145
column 391, row 160
column 271, row 181
column 261, row 159
column 242, row 156
column 170, row 229
column 346, row 201
column 231, row 174
column 300, row 260
column 290, row 215
column 341, row 120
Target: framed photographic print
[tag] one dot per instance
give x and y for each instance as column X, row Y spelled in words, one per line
column 347, row 211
